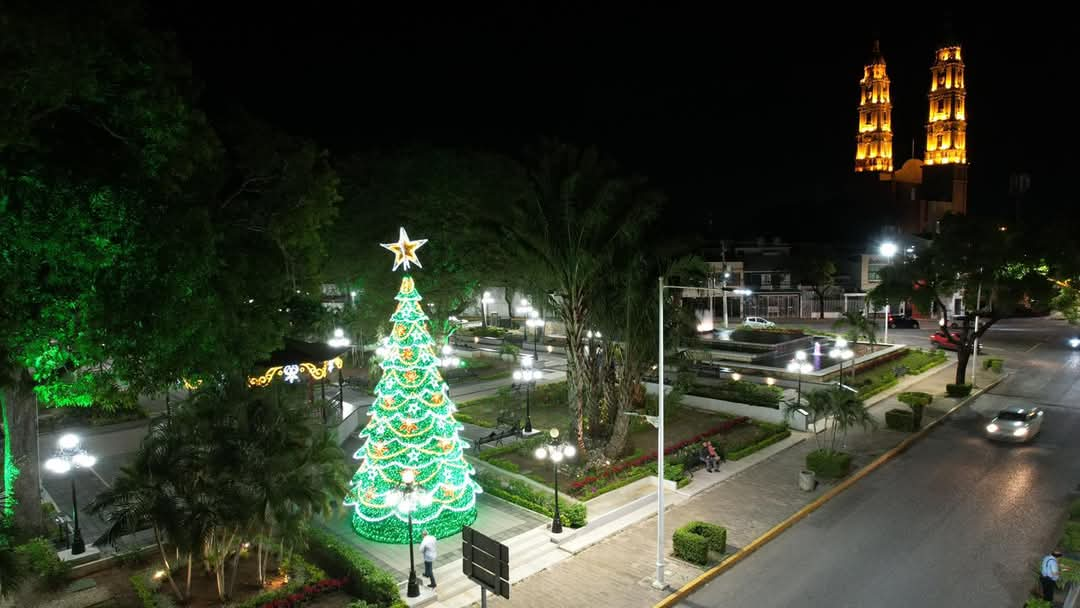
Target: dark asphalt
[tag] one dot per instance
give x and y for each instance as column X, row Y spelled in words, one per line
column 955, row 521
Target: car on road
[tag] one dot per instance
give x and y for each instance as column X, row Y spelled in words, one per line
column 1016, row 424
column 758, row 322
column 957, row 322
column 899, row 322
column 940, row 340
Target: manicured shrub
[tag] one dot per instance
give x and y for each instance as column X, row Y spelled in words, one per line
column 365, row 580
column 993, row 363
column 914, row 399
column 900, row 420
column 692, row 547
column 828, row 464
column 572, row 514
column 693, row 541
column 958, row 390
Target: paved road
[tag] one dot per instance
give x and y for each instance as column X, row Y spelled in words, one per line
column 956, row 521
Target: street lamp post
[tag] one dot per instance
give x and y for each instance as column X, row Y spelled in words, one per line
column 70, row 456
column 556, row 451
column 538, row 325
column 800, row 366
column 527, row 376
column 842, row 353
column 888, row 250
column 406, row 499
column 484, row 301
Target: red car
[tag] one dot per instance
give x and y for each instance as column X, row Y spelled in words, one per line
column 939, row 340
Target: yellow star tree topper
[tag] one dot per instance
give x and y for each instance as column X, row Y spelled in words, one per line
column 405, row 250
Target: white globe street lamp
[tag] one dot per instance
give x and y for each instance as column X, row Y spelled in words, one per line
column 555, row 451
column 70, row 456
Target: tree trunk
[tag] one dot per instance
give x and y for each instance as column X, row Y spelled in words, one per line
column 188, row 584
column 21, row 472
column 165, row 562
column 962, row 355
column 821, row 305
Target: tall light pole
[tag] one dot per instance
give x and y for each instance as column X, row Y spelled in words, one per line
column 888, row 250
column 556, row 451
column 484, row 301
column 842, row 353
column 723, row 287
column 406, row 499
column 70, row 456
column 527, row 377
column 800, row 366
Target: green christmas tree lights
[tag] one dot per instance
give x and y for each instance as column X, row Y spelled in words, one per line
column 411, row 428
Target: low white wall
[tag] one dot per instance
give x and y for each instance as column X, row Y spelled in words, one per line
column 765, row 414
column 349, row 425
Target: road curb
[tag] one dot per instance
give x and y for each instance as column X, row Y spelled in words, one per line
column 801, row 514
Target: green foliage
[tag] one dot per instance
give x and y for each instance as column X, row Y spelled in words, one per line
column 301, row 573
column 470, row 419
column 880, row 376
column 141, row 583
column 573, row 514
column 777, row 436
column 339, row 558
column 38, row 558
column 846, row 410
column 915, row 399
column 1070, row 571
column 856, row 326
column 694, row 540
column 958, row 390
column 900, row 420
column 1038, row 602
column 994, row 364
column 741, row 391
column 828, row 464
column 1074, row 510
column 1071, row 540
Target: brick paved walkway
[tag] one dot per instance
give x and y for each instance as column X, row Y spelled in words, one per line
column 619, row 571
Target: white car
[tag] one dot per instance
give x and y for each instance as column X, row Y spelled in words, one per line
column 758, row 322
column 1015, row 424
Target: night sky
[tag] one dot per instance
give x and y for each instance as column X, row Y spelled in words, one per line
column 747, row 119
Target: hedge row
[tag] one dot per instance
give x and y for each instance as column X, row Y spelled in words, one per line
column 693, row 541
column 572, row 514
column 900, row 420
column 777, row 437
column 366, row 581
column 958, row 390
column 915, row 398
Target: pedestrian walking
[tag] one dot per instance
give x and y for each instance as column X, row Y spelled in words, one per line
column 1049, row 573
column 427, row 550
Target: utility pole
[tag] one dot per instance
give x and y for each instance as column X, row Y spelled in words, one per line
column 723, row 283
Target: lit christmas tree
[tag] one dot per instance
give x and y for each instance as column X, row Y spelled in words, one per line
column 411, row 428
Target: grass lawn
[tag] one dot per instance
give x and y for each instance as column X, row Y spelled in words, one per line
column 547, row 407
column 873, row 379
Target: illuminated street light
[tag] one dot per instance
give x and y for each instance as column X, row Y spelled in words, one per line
column 70, row 456
column 556, row 451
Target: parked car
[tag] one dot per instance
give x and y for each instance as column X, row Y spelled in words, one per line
column 758, row 322
column 957, row 322
column 940, row 340
column 1015, row 424
column 896, row 321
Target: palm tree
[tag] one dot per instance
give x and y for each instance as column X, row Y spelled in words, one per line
column 580, row 216
column 858, row 326
column 844, row 408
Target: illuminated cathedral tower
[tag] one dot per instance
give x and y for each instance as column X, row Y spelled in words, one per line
column 873, row 145
column 946, row 133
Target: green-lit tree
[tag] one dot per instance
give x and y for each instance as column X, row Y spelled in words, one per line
column 411, row 432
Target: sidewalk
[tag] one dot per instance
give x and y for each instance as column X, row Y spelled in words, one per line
column 619, row 571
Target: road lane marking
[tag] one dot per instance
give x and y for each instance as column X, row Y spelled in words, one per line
column 1033, row 347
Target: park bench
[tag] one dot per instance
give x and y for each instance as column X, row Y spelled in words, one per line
column 508, row 426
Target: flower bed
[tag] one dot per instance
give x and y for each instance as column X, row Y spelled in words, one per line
column 572, row 514
column 739, row 391
column 616, row 468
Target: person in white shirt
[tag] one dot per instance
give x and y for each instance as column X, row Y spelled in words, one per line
column 427, row 550
column 1049, row 574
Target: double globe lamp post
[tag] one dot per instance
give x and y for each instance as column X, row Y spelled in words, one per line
column 69, row 455
column 406, row 499
column 527, row 377
column 842, row 353
column 556, row 451
column 799, row 366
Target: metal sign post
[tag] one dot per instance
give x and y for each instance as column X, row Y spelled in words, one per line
column 486, row 562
